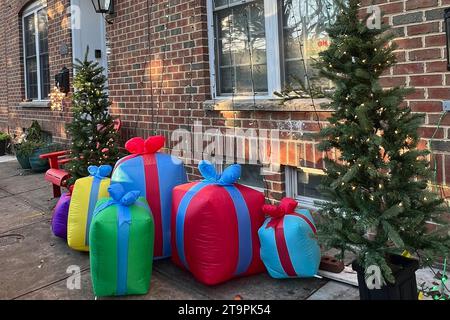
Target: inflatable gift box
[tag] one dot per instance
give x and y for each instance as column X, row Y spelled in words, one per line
column 121, row 243
column 289, row 246
column 86, row 192
column 215, row 226
column 60, row 215
column 154, row 174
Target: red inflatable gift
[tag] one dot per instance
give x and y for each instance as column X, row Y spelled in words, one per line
column 215, row 226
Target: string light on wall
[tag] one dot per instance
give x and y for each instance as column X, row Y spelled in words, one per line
column 56, row 99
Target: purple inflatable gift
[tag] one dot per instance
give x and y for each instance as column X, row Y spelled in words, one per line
column 60, row 214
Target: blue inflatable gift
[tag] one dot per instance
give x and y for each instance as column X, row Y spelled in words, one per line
column 154, row 174
column 289, row 246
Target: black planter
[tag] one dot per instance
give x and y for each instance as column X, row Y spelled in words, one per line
column 3, row 144
column 405, row 287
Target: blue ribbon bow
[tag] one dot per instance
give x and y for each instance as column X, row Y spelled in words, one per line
column 120, row 198
column 229, row 176
column 100, row 172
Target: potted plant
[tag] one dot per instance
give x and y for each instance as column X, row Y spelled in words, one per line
column 4, row 140
column 24, row 151
column 31, row 145
column 376, row 177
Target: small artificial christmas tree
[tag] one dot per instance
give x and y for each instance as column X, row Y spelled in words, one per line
column 378, row 186
column 94, row 138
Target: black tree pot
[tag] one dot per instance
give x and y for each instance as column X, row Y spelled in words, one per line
column 404, row 288
column 3, row 144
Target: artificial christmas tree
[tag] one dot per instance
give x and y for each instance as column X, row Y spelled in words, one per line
column 94, row 138
column 378, row 185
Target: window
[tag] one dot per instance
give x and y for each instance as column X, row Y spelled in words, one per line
column 35, row 52
column 256, row 46
column 250, row 175
column 304, row 24
column 302, row 183
column 241, row 47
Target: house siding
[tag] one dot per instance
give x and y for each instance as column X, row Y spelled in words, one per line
column 159, row 69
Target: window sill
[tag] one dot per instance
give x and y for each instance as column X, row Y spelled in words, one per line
column 35, row 104
column 277, row 105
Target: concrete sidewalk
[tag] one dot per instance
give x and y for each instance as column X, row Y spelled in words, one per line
column 33, row 263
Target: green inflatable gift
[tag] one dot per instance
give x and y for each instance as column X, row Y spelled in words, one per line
column 121, row 242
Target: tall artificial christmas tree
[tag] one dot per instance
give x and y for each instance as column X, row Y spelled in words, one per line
column 378, row 183
column 94, row 138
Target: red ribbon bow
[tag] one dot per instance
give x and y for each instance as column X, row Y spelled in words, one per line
column 139, row 146
column 287, row 206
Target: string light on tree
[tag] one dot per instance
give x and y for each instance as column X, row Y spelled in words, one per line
column 375, row 142
column 92, row 127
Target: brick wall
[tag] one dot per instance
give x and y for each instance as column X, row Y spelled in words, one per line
column 421, row 54
column 13, row 115
column 159, row 77
column 422, row 57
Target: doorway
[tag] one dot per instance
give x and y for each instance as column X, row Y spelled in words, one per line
column 88, row 29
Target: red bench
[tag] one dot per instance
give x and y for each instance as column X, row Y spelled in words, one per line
column 56, row 175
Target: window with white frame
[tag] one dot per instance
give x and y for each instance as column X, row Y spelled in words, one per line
column 302, row 184
column 35, row 51
column 258, row 47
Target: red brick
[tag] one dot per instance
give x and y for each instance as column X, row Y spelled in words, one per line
column 409, row 43
column 436, row 66
column 427, row 132
column 425, row 54
column 309, row 155
column 426, row 81
column 417, row 94
column 408, row 68
column 391, row 8
column 418, row 4
column 439, row 93
column 435, row 41
column 439, row 158
column 292, row 154
column 283, row 152
column 426, row 106
column 433, row 119
column 365, row 3
column 392, row 81
column 318, row 157
column 400, row 56
column 423, row 28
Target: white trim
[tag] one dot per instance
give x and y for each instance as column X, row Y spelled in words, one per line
column 307, row 202
column 292, row 189
column 231, row 5
column 254, row 188
column 33, row 9
column 211, row 46
column 38, row 53
column 272, row 46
